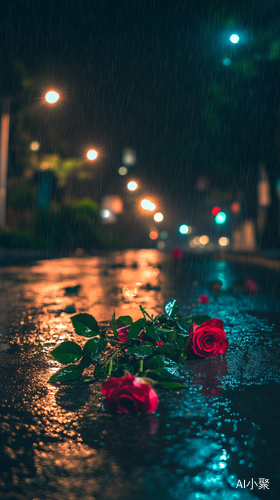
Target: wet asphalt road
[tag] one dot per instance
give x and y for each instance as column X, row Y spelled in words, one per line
column 59, row 443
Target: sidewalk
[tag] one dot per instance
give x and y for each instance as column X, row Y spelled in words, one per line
column 266, row 258
column 16, row 257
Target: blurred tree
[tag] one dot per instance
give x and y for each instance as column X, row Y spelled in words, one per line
column 239, row 121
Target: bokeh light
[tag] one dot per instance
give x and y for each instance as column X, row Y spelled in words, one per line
column 122, row 170
column 34, row 146
column 158, row 217
column 184, row 229
column 52, row 97
column 215, row 210
column 226, row 61
column 234, row 38
column 132, row 185
column 164, row 235
column 104, row 214
column 204, row 239
column 148, row 205
column 220, row 218
column 235, row 207
column 161, row 245
column 223, row 241
column 153, row 235
column 92, row 154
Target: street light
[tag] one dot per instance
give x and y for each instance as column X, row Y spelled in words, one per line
column 158, row 217
column 220, row 218
column 234, row 38
column 92, row 154
column 184, row 229
column 122, row 170
column 52, row 97
column 132, row 186
column 148, row 205
column 34, row 146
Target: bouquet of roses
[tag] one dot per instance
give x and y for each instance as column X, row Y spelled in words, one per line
column 150, row 351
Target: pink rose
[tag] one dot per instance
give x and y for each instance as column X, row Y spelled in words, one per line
column 203, row 299
column 129, row 394
column 208, row 339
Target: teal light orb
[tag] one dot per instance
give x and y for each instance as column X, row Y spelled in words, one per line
column 220, row 218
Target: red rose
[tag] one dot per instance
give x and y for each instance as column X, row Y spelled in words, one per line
column 251, row 286
column 208, row 339
column 129, row 394
column 177, row 254
column 123, row 333
column 203, row 299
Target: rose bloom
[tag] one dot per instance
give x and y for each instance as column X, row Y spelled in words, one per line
column 203, row 299
column 209, row 339
column 123, row 333
column 216, row 286
column 251, row 286
column 177, row 254
column 129, row 394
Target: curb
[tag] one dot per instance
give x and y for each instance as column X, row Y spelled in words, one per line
column 254, row 260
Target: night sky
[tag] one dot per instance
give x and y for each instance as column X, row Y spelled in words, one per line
column 131, row 73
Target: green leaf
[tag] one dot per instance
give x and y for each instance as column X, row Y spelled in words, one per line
column 168, row 348
column 151, row 332
column 67, row 352
column 100, row 371
column 94, row 347
column 113, row 324
column 136, row 328
column 85, row 325
column 126, row 320
column 172, row 385
column 160, row 361
column 165, row 373
column 121, row 368
column 181, row 340
column 184, row 326
column 198, row 320
column 165, row 331
column 141, row 352
column 171, row 308
column 67, row 373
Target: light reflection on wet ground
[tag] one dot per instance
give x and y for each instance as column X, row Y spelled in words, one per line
column 59, row 443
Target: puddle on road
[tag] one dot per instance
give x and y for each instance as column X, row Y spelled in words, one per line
column 59, row 443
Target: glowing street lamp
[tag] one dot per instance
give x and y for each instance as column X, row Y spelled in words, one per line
column 132, row 186
column 34, row 146
column 220, row 218
column 122, row 170
column 148, row 205
column 234, row 38
column 158, row 217
column 92, row 154
column 184, row 229
column 52, row 97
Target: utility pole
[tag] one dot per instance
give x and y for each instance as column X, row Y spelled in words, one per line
column 4, row 150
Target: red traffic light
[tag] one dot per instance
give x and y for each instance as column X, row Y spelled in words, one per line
column 216, row 210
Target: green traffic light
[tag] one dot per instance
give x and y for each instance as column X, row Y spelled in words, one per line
column 220, row 218
column 184, row 229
